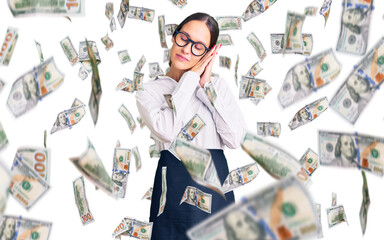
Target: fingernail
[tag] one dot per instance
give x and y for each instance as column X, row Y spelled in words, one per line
column 212, row 54
column 220, row 45
column 214, row 46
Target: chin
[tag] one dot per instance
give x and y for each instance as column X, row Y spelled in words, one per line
column 180, row 65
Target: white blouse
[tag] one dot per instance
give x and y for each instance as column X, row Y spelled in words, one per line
column 225, row 124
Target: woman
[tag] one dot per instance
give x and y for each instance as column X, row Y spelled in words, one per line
column 191, row 60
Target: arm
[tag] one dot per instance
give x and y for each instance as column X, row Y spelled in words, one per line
column 155, row 112
column 229, row 120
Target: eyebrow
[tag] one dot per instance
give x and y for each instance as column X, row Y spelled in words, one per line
column 195, row 41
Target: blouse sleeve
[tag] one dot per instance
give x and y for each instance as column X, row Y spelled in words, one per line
column 156, row 113
column 228, row 118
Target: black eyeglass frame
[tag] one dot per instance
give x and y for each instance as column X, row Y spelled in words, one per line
column 193, row 43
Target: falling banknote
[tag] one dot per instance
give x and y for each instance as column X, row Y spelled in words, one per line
column 309, row 113
column 356, row 92
column 69, row 50
column 134, row 228
column 310, row 161
column 148, row 194
column 163, row 196
column 141, row 13
column 36, row 158
column 17, row 227
column 5, row 180
column 352, row 150
column 42, row 7
column 70, row 117
column 240, row 176
column 293, row 39
column 256, row 44
column 257, row 7
column 277, row 44
column 269, row 129
column 81, row 201
column 364, row 204
column 308, row 76
column 91, row 167
column 120, row 171
column 199, row 164
column 8, row 46
column 325, row 10
column 275, row 161
column 128, row 117
column 195, row 197
column 229, row 23
column 284, row 210
column 336, row 215
column 355, row 23
column 3, row 137
column 34, row 85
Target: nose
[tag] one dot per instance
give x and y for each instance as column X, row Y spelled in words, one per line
column 187, row 48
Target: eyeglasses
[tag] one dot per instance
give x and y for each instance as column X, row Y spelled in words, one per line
column 197, row 48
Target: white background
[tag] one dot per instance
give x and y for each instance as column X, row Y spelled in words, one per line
column 139, row 37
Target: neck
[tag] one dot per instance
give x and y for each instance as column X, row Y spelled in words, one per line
column 175, row 74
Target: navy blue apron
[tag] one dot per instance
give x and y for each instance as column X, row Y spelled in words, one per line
column 176, row 219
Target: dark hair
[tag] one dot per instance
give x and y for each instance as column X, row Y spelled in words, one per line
column 211, row 23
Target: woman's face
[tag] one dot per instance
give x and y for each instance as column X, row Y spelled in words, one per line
column 182, row 57
column 358, row 83
column 353, row 17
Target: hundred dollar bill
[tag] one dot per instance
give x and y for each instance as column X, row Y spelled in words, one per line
column 134, row 228
column 284, row 210
column 268, row 129
column 153, row 152
column 112, row 24
column 188, row 132
column 211, row 92
column 141, row 13
column 69, row 50
column 91, row 167
column 277, row 44
column 336, row 215
column 167, row 55
column 257, row 7
column 325, row 10
column 225, row 62
column 236, row 68
column 148, row 194
column 365, row 204
column 26, row 184
column 179, row 3
column 107, row 42
column 94, row 100
column 140, row 121
column 251, row 88
column 8, row 46
column 352, row 151
column 2, row 83
column 126, row 85
column 140, row 64
column 128, row 117
column 199, row 164
column 36, row 158
column 355, row 23
column 18, row 227
column 195, row 197
column 224, row 39
column 155, row 70
column 170, row 28
column 70, row 117
column 310, row 161
column 120, row 171
column 275, row 161
column 5, row 180
column 293, row 39
column 84, row 56
column 267, row 89
column 161, row 24
column 320, row 228
column 136, row 154
column 240, row 176
column 360, row 86
column 309, row 113
column 122, row 15
column 109, row 10
column 310, row 11
column 41, row 7
column 81, row 201
column 3, row 137
column 254, row 70
column 256, row 44
column 124, row 56
column 163, row 196
column 229, row 23
column 83, row 73
column 308, row 76
column 34, row 85
column 138, row 79
column 334, row 199
column 39, row 51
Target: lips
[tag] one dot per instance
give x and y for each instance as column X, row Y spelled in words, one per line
column 181, row 58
